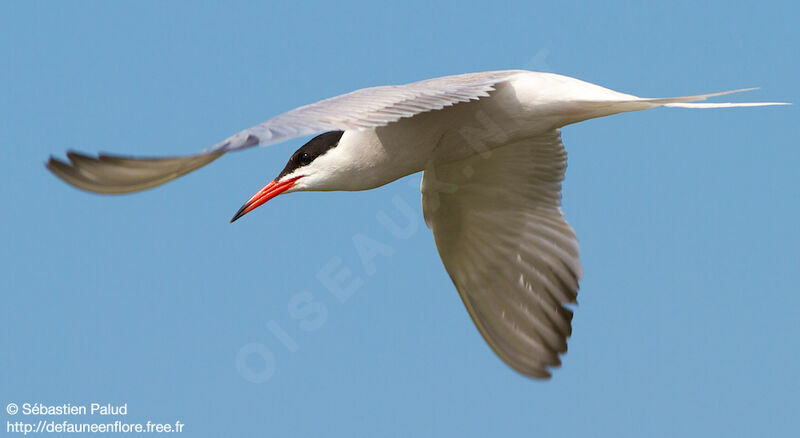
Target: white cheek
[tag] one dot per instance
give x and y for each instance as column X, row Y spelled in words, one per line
column 357, row 163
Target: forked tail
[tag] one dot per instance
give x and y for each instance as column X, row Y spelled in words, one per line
column 691, row 101
column 627, row 103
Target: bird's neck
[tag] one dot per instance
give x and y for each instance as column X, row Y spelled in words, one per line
column 367, row 159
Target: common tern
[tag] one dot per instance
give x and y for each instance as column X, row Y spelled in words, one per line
column 490, row 150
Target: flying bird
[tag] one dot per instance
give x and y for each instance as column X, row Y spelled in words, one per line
column 489, row 147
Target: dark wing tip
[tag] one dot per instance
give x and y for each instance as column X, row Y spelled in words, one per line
column 113, row 174
column 49, row 163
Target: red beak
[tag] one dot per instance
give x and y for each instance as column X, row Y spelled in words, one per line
column 271, row 190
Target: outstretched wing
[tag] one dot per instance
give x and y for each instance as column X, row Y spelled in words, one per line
column 362, row 109
column 368, row 108
column 502, row 237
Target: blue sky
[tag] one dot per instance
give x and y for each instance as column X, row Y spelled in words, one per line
column 688, row 224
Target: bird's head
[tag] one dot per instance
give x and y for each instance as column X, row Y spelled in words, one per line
column 312, row 167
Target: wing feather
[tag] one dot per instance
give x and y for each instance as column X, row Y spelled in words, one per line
column 504, row 241
column 111, row 174
column 369, row 108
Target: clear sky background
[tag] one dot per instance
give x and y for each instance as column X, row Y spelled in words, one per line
column 687, row 219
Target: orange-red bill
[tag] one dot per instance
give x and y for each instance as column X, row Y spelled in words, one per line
column 271, row 190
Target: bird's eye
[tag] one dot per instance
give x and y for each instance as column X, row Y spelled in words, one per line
column 304, row 158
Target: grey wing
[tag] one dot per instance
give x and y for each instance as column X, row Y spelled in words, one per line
column 502, row 237
column 368, row 108
column 362, row 109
